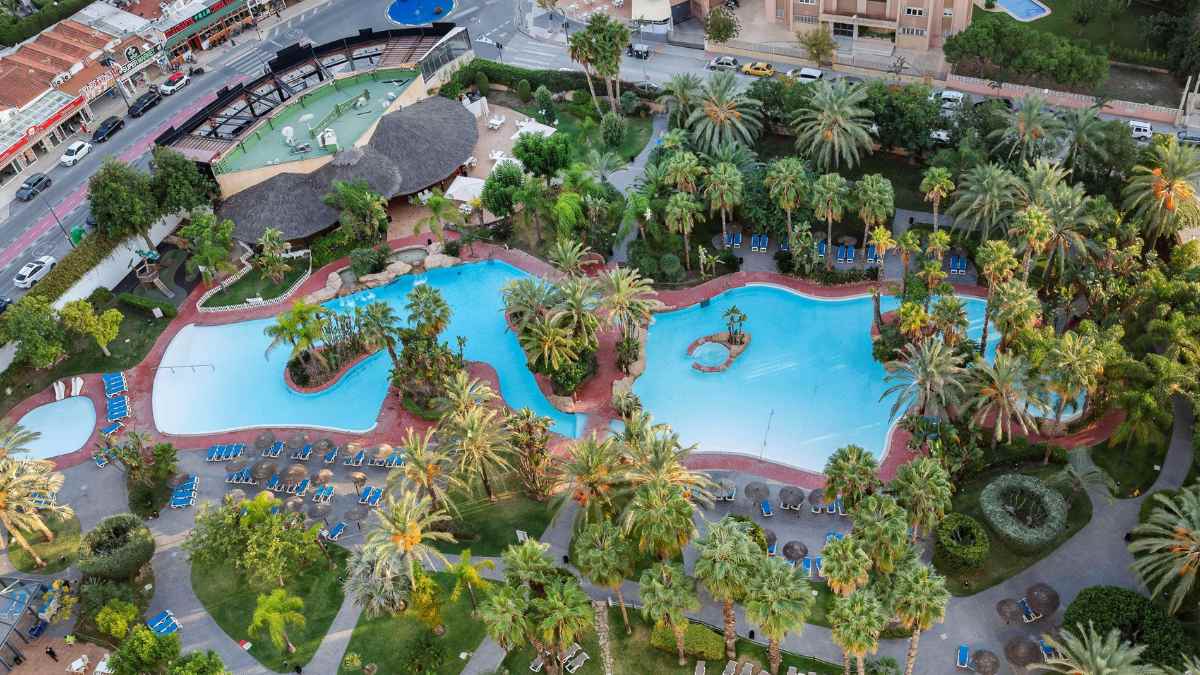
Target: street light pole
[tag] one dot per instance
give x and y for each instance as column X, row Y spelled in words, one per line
column 60, row 225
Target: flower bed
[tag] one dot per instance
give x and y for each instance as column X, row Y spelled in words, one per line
column 1025, row 512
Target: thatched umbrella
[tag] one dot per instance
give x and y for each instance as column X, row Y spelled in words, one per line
column 383, row 452
column 985, row 662
column 297, row 440
column 359, row 479
column 319, row 510
column 358, row 513
column 770, row 534
column 1021, row 652
column 1042, row 599
column 264, row 469
column 1009, row 610
column 757, row 492
column 236, row 465
column 324, row 476
column 264, row 440
column 296, row 472
column 294, row 504
column 791, row 496
column 794, row 550
column 817, row 497
column 324, row 445
column 236, row 496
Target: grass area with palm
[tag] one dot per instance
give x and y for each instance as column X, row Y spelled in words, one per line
column 59, row 554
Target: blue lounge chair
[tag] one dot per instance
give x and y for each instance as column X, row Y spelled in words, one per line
column 817, row 566
column 338, row 529
column 764, row 244
column 729, row 240
column 303, row 453
column 357, row 460
column 331, row 456
column 850, row 254
column 273, row 484
column 821, row 249
column 754, row 242
column 1048, row 652
column 328, row 496
column 365, row 495
column 953, row 264
column 771, row 549
column 784, row 245
column 376, row 495
column 301, row 488
column 158, row 619
column 232, row 476
column 765, row 508
column 395, row 459
column 841, row 253
column 111, row 428
column 182, row 501
column 1027, row 613
column 818, row 508
column 962, row 265
column 275, row 450
column 737, row 240
column 963, row 659
column 213, row 453
column 806, row 567
column 871, row 254
column 234, row 451
column 840, row 506
column 101, row 459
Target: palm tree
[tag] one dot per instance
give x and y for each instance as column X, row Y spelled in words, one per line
column 568, row 255
column 923, row 487
column 581, row 49
column 460, row 393
column 426, row 468
column 549, row 342
column 882, row 524
column 985, row 198
column 680, row 94
column 936, row 185
column 23, row 486
column 658, row 457
column 1001, row 392
column 725, row 567
column 442, row 212
column 857, row 620
column 832, row 126
column 724, row 113
column 1083, row 651
column 505, row 615
column 909, row 245
column 302, row 327
column 468, row 575
column 928, row 377
column 603, row 164
column 525, row 299
column 628, row 300
column 1085, row 135
column 778, row 602
column 1167, row 544
column 605, row 558
column 733, row 152
column 565, row 613
column 949, row 317
column 851, row 472
column 997, row 262
column 274, row 614
column 405, row 530
column 427, row 310
column 1076, row 364
column 667, row 596
column 1069, row 220
column 683, row 171
column 14, row 438
column 787, row 181
column 577, row 310
column 526, row 564
column 876, row 201
column 1029, row 128
column 591, row 475
column 723, row 189
column 378, row 324
column 682, row 213
column 479, row 442
column 920, row 604
column 1032, row 230
column 845, row 565
column 912, row 320
column 1161, row 194
column 660, row 517
column 937, row 244
column 1017, row 309
column 933, row 275
column 829, row 195
column 270, row 260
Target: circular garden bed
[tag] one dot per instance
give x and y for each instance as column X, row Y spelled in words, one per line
column 1023, row 511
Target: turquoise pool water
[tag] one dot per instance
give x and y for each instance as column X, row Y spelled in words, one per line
column 419, row 12
column 223, row 381
column 806, row 386
column 1024, row 10
column 64, row 426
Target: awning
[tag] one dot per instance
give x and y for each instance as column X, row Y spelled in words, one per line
column 465, row 189
column 651, row 10
column 534, row 127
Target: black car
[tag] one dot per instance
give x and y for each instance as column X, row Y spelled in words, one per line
column 144, row 103
column 638, row 51
column 33, row 186
column 4, row 303
column 107, row 128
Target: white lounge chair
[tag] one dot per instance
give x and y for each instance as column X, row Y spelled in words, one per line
column 699, row 668
column 747, row 668
column 76, row 386
column 730, row 668
column 60, row 390
column 578, row 662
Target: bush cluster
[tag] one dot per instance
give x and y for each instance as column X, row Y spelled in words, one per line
column 962, row 544
column 369, row 260
column 699, row 641
column 118, row 547
column 147, row 305
column 1139, row 621
column 329, row 247
column 511, row 76
column 996, row 499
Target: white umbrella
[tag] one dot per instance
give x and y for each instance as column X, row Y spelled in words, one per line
column 465, row 189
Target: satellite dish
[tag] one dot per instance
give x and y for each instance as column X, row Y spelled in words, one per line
column 288, row 134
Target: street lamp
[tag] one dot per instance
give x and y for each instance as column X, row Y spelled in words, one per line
column 60, row 225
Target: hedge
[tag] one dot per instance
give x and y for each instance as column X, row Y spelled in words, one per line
column 1014, row 532
column 961, row 544
column 147, row 305
column 118, row 547
column 86, row 255
column 511, row 76
column 699, row 641
column 1139, row 621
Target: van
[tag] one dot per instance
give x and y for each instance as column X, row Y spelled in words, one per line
column 805, row 74
column 1142, row 131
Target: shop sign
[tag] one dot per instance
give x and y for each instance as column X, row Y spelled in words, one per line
column 139, row 60
column 198, row 17
column 33, row 131
column 99, row 84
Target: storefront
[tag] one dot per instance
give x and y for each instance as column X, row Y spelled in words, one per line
column 36, row 130
column 215, row 24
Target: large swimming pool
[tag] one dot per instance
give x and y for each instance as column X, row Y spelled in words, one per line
column 216, row 378
column 805, row 386
column 64, row 427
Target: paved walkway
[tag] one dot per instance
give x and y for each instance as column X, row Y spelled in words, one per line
column 625, row 179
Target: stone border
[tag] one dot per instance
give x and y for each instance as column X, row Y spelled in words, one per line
column 722, row 338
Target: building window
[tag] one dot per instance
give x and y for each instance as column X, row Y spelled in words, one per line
column 779, row 11
column 806, row 2
column 919, row 32
column 804, row 19
column 947, row 12
column 914, row 11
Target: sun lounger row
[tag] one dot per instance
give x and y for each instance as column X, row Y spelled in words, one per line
column 958, row 264
column 118, row 408
column 303, row 454
column 370, row 496
column 728, row 496
column 333, row 533
column 274, row 484
column 323, row 493
column 274, row 451
column 163, row 623
column 356, row 459
column 224, row 453
column 835, row 507
column 114, row 384
column 760, row 242
column 811, row 567
column 41, row 499
column 733, row 240
column 185, row 493
column 391, row 461
column 243, row 477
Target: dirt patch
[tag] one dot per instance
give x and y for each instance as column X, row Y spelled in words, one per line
column 1140, row 85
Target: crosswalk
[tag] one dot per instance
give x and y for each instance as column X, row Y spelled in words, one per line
column 521, row 51
column 250, row 63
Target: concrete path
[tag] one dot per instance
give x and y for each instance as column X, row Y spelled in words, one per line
column 625, row 179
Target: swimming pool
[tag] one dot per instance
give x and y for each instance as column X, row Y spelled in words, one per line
column 419, row 12
column 1024, row 10
column 216, row 378
column 64, row 427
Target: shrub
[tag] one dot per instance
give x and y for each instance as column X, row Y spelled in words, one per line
column 368, row 260
column 116, row 617
column 1139, row 621
column 647, row 264
column 118, row 547
column 426, row 655
column 630, row 102
column 482, row 84
column 545, row 105
column 147, row 305
column 95, row 594
column 329, row 247
column 612, row 129
column 567, row 379
column 1025, row 512
column 626, row 403
column 524, row 91
column 699, row 641
column 672, row 269
column 452, row 247
column 101, row 297
column 961, row 545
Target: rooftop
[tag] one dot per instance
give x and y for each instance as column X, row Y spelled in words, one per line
column 12, row 129
column 118, row 22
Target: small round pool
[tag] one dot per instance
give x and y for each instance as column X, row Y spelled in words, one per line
column 64, row 427
column 710, row 354
column 419, row 12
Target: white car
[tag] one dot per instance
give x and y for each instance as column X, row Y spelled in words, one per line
column 178, row 80
column 723, row 63
column 1141, row 131
column 33, row 271
column 949, row 99
column 805, row 74
column 75, row 152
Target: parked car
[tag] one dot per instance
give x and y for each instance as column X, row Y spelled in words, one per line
column 1188, row 137
column 949, row 99
column 33, row 186
column 723, row 63
column 1142, row 131
column 107, row 128
column 758, row 69
column 4, row 303
column 144, row 103
column 648, row 88
column 638, row 51
column 178, row 80
column 805, row 74
column 75, row 152
column 1003, row 100
column 33, row 271
column 940, row 137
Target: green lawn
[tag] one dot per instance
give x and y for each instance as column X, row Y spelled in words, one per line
column 633, row 654
column 904, row 174
column 255, row 285
column 487, row 529
column 230, row 601
column 386, row 640
column 1002, row 561
column 1100, row 31
column 637, row 134
column 1134, row 467
column 58, row 554
column 824, row 604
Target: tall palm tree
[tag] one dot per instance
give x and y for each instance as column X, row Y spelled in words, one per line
column 660, row 517
column 733, row 152
column 442, row 212
column 936, row 185
column 920, row 604
column 1030, row 129
column 1161, row 194
column 1001, row 392
column 1076, row 364
column 568, row 255
column 832, row 127
column 548, row 341
column 909, row 245
column 505, row 614
column 581, row 48
column 659, row 457
column 274, row 613
column 460, row 393
column 787, row 185
column 1032, row 230
column 882, row 524
column 852, row 473
column 15, row 438
column 1083, row 651
column 985, row 198
column 578, row 299
column 468, row 575
column 526, row 564
column 876, row 201
column 1017, row 310
column 923, row 487
column 680, row 95
column 667, row 596
column 928, row 377
column 723, row 189
column 425, row 467
column 682, row 214
column 683, row 171
column 912, row 319
column 404, row 532
column 997, row 262
column 949, row 317
column 23, row 484
column 725, row 567
column 1070, row 220
column 601, row 163
column 480, row 442
column 724, row 113
column 628, row 300
column 378, row 324
column 1039, row 179
column 778, row 601
column 1084, row 131
column 829, row 196
column 591, row 475
column 857, row 620
column 525, row 299
column 302, row 327
column 604, row 556
column 933, row 274
column 565, row 613
column 845, row 565
column 1167, row 546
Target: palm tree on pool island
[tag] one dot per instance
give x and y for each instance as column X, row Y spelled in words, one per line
column 667, row 596
column 726, row 563
column 1002, row 393
column 928, row 379
column 778, row 601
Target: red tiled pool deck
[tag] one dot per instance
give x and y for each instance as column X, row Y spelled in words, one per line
column 594, row 399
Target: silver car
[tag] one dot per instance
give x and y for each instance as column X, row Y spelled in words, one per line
column 33, row 271
column 75, row 152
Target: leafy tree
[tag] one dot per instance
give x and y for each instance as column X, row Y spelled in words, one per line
column 199, row 663
column 903, row 116
column 1012, row 51
column 500, row 189
column 122, row 201
column 79, row 316
column 920, row 603
column 778, row 601
column 667, row 596
column 850, row 472
column 721, row 25
column 605, row 558
column 270, row 260
column 145, row 651
column 833, row 125
column 274, row 614
column 726, row 567
column 543, row 156
column 22, row 504
column 210, row 242
column 724, row 114
column 176, row 181
column 41, row 337
column 817, row 43
column 363, row 214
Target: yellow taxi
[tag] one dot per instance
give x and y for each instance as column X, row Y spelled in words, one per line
column 758, row 69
